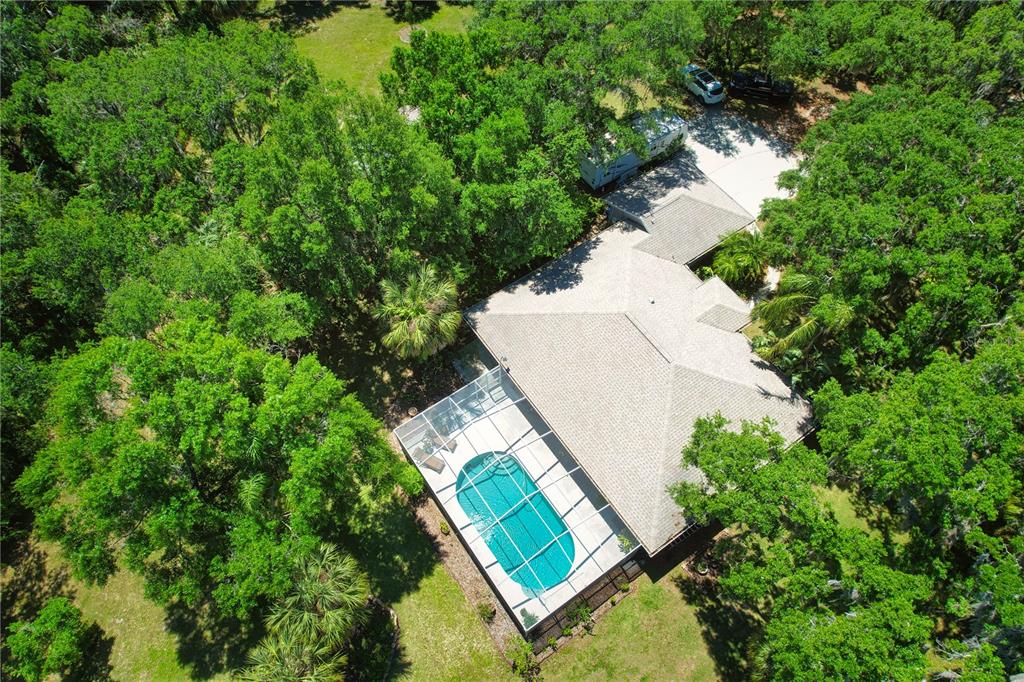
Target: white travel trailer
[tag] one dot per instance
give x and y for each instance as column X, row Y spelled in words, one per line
column 660, row 130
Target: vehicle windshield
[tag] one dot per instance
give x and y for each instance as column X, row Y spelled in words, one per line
column 717, row 90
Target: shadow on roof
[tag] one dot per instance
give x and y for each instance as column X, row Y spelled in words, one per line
column 643, row 193
column 562, row 273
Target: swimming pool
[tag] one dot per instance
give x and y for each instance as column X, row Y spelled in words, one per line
column 499, row 490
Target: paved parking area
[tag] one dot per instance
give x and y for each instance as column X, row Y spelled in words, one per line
column 739, row 156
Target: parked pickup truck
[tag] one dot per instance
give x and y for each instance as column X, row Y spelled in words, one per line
column 750, row 83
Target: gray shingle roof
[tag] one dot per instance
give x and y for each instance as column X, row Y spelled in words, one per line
column 684, row 212
column 620, row 350
column 718, row 305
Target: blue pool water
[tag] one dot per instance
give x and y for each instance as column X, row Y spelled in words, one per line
column 531, row 524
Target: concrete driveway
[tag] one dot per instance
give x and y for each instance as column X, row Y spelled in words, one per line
column 739, row 156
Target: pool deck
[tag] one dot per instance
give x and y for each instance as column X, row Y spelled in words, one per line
column 491, row 415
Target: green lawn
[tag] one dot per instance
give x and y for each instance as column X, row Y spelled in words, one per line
column 442, row 637
column 880, row 524
column 653, row 634
column 135, row 643
column 354, row 44
column 141, row 649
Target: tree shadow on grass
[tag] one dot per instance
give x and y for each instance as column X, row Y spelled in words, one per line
column 728, row 630
column 29, row 583
column 96, row 664
column 209, row 644
column 411, row 11
column 395, row 549
column 297, row 18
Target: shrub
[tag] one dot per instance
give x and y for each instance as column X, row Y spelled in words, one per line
column 52, row 644
column 524, row 663
column 623, row 585
column 529, row 620
column 445, row 528
column 581, row 614
column 625, row 543
column 553, row 643
column 486, row 611
column 567, row 631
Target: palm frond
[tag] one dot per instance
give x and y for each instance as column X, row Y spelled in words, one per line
column 422, row 316
column 782, row 310
column 743, row 259
column 800, row 337
column 793, row 282
column 328, row 601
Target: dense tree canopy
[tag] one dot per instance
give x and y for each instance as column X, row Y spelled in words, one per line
column 140, row 126
column 907, row 210
column 832, row 611
column 203, row 465
column 514, row 148
column 186, row 207
column 943, row 451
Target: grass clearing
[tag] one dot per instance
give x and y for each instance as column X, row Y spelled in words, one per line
column 354, row 44
column 138, row 645
column 142, row 648
column 653, row 634
column 442, row 636
column 881, row 524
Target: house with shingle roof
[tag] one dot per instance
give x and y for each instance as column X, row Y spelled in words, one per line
column 610, row 353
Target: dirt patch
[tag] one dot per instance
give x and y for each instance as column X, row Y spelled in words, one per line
column 790, row 121
column 405, row 33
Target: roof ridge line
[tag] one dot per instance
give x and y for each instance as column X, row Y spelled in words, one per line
column 683, row 194
column 647, row 337
column 732, row 381
column 660, row 503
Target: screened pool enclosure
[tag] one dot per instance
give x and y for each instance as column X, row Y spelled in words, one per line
column 534, row 522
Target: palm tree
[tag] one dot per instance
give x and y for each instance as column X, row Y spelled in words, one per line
column 309, row 630
column 423, row 315
column 282, row 658
column 743, row 260
column 798, row 312
column 329, row 599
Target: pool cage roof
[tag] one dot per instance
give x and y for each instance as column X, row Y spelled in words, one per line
column 543, row 532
